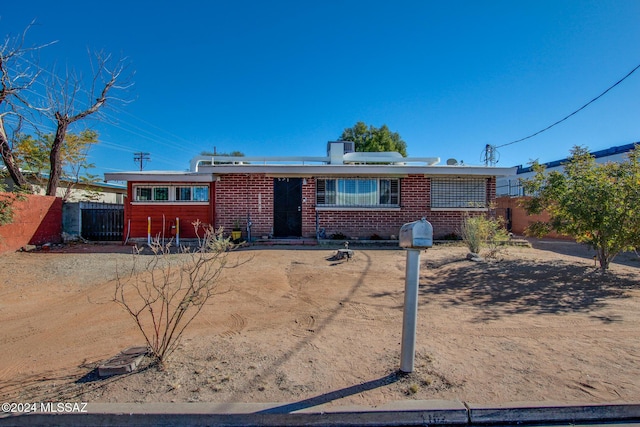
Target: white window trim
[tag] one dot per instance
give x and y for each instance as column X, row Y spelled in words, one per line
column 321, row 208
column 377, row 207
column 459, row 209
column 172, row 194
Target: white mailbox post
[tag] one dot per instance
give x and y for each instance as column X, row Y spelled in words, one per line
column 414, row 237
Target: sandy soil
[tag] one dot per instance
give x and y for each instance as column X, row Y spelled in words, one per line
column 290, row 325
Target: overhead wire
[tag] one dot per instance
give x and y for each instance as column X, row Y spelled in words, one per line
column 572, row 114
column 131, row 128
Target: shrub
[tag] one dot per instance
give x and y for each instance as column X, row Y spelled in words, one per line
column 479, row 231
column 164, row 292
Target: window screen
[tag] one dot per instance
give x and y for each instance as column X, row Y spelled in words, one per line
column 465, row 193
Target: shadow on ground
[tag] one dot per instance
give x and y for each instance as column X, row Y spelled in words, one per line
column 523, row 286
column 335, row 395
column 568, row 247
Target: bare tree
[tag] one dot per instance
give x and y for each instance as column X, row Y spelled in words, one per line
column 64, row 100
column 16, row 76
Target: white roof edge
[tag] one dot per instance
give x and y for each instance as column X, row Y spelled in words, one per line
column 355, row 170
column 209, row 173
column 159, row 176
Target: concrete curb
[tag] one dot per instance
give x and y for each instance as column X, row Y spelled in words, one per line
column 552, row 413
column 400, row 413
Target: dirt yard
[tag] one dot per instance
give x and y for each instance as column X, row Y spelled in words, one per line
column 537, row 324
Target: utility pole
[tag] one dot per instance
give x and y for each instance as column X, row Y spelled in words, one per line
column 140, row 157
column 489, row 155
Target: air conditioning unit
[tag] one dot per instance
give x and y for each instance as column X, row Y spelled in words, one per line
column 349, row 146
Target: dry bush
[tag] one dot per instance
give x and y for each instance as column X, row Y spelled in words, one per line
column 163, row 292
column 480, row 231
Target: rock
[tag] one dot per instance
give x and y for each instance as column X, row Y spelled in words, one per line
column 29, row 248
column 471, row 256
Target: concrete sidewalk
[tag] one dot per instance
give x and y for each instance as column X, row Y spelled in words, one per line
column 400, row 413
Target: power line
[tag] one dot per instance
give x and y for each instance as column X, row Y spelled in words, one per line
column 141, row 157
column 575, row 112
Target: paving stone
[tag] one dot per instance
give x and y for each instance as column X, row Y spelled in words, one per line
column 123, row 363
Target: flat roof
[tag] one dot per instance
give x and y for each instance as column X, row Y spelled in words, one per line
column 209, row 173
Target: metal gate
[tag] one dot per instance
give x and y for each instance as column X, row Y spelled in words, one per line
column 506, row 215
column 102, row 222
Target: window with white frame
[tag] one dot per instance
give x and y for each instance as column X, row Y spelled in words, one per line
column 358, row 192
column 171, row 193
column 459, row 193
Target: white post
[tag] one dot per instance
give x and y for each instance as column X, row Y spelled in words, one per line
column 410, row 316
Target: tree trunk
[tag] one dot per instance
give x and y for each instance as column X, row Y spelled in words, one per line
column 54, row 156
column 604, row 258
column 7, row 157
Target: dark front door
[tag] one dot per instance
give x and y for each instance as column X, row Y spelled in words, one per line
column 287, row 207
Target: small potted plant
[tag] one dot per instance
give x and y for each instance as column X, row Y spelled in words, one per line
column 236, row 232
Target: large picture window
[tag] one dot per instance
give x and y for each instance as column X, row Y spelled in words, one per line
column 459, row 193
column 171, row 193
column 358, row 192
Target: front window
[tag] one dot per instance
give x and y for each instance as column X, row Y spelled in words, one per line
column 161, row 194
column 171, row 193
column 360, row 192
column 459, row 193
column 183, row 193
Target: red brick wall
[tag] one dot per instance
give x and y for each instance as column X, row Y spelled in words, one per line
column 239, row 195
column 415, row 200
column 235, row 196
column 136, row 214
column 37, row 220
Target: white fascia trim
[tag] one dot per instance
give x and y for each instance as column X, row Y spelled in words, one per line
column 159, row 176
column 165, row 203
column 356, row 170
column 459, row 209
column 363, row 208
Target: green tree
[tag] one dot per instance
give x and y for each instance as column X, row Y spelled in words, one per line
column 32, row 154
column 597, row 204
column 372, row 139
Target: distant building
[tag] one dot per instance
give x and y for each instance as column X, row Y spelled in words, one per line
column 512, row 186
column 102, row 192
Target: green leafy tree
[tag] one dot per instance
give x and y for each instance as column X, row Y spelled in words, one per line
column 597, row 204
column 372, row 139
column 32, row 154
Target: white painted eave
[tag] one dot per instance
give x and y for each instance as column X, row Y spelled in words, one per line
column 210, row 173
column 356, row 170
column 159, row 176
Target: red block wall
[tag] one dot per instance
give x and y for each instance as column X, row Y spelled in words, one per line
column 520, row 220
column 136, row 214
column 37, row 220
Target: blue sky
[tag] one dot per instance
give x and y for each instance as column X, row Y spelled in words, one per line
column 284, row 77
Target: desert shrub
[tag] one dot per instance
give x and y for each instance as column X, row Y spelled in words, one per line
column 6, row 209
column 163, row 292
column 480, row 231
